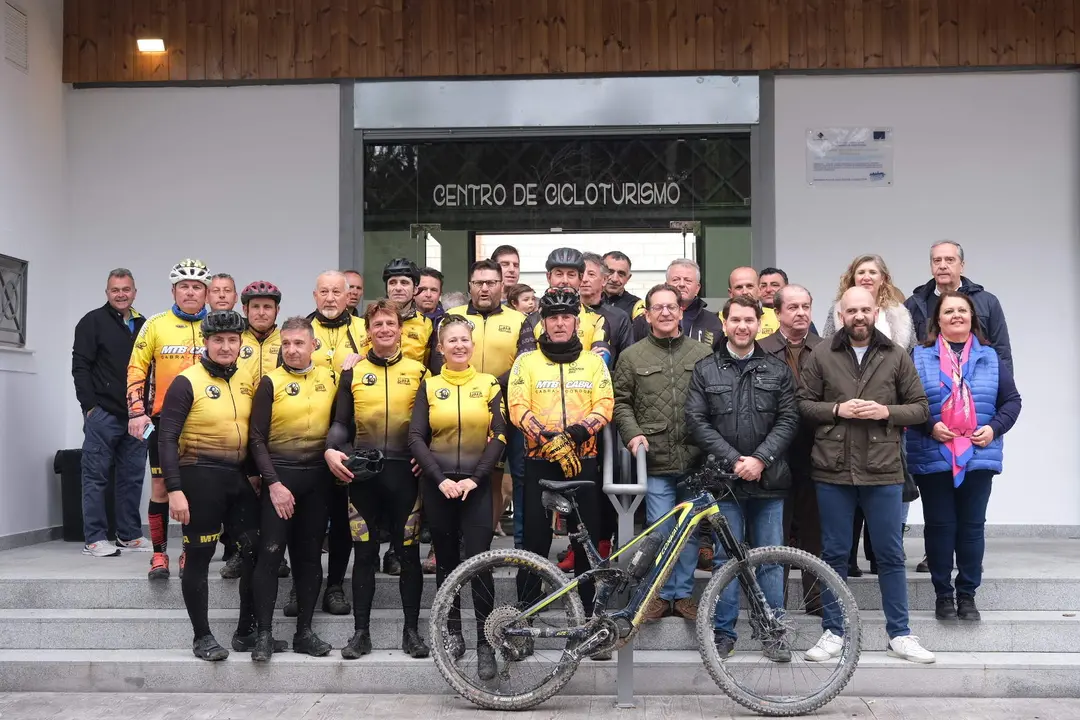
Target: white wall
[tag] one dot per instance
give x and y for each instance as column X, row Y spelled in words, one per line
column 988, row 160
column 32, row 227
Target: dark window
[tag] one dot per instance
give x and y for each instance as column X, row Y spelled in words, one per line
column 12, row 301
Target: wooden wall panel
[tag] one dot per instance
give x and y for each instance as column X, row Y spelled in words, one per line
column 253, row 40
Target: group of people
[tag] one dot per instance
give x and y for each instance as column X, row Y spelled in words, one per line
column 345, row 428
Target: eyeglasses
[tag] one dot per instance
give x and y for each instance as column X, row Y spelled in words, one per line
column 485, row 283
column 455, row 319
column 658, row 309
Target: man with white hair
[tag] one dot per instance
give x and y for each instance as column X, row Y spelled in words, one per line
column 697, row 323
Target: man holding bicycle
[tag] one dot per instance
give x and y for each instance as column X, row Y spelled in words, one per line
column 741, row 408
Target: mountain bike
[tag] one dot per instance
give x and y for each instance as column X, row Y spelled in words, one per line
column 540, row 631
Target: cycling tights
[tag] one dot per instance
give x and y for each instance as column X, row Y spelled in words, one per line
column 338, row 540
column 303, row 534
column 388, row 500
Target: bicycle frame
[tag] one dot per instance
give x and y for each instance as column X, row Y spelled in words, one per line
column 689, row 514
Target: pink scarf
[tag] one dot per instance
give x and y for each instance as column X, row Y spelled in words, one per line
column 957, row 408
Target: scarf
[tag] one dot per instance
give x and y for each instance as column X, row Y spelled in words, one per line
column 188, row 316
column 216, row 370
column 957, row 408
column 458, row 377
column 340, row 321
column 564, row 352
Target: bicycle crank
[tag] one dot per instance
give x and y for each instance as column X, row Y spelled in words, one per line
column 602, row 640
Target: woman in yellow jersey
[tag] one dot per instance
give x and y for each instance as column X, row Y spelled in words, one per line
column 374, row 403
column 204, row 433
column 457, row 434
column 290, row 418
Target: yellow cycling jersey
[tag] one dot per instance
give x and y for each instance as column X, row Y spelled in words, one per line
column 416, row 337
column 458, row 428
column 204, row 420
column 495, row 337
column 259, row 357
column 547, row 397
column 334, row 344
column 377, row 397
column 591, row 330
column 166, row 345
column 769, row 322
column 290, row 418
column 639, row 309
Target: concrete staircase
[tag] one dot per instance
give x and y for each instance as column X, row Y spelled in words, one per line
column 73, row 623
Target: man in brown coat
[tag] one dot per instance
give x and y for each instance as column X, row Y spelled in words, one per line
column 793, row 343
column 859, row 390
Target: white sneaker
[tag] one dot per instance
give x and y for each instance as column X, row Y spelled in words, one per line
column 828, row 646
column 139, row 544
column 101, row 548
column 907, row 647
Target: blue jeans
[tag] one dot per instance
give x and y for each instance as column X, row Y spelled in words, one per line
column 660, row 497
column 515, row 460
column 955, row 526
column 882, row 506
column 106, row 443
column 764, row 518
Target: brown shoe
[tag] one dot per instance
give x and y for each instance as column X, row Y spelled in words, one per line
column 657, row 608
column 685, row 608
column 705, row 558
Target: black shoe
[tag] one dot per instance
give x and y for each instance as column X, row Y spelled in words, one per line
column 873, row 568
column 412, row 644
column 208, row 648
column 485, row 662
column 248, row 643
column 334, row 602
column 358, row 646
column 601, row 656
column 283, row 570
column 455, row 645
column 725, row 645
column 384, row 536
column 264, row 647
column 854, row 571
column 390, row 563
column 291, row 609
column 923, row 566
column 231, row 569
column 425, row 534
column 308, row 643
column 945, row 608
column 966, row 610
column 777, row 651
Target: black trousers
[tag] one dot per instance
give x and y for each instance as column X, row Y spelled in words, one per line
column 538, row 523
column 391, row 501
column 470, row 521
column 218, row 496
column 302, row 534
column 339, row 538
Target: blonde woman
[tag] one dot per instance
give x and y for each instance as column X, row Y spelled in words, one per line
column 894, row 322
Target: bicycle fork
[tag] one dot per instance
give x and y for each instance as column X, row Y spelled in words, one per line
column 762, row 617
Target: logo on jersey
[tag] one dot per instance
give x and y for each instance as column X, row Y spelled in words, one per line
column 319, row 387
column 476, row 394
column 246, row 352
column 413, row 335
column 213, row 392
column 579, row 385
column 179, row 350
column 575, row 368
column 140, row 345
column 505, row 328
column 604, row 383
column 547, row 384
column 292, row 389
column 318, row 343
column 404, row 381
column 246, row 390
column 442, row 393
column 369, row 379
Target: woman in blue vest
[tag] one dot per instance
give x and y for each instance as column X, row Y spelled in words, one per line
column 953, row 458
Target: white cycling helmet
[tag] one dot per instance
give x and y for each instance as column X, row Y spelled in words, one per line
column 190, row 270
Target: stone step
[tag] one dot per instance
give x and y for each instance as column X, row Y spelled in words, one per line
column 997, row 593
column 1000, row 631
column 672, row 672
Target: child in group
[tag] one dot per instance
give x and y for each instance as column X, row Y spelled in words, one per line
column 522, row 298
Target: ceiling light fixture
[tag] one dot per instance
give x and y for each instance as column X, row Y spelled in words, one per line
column 151, row 45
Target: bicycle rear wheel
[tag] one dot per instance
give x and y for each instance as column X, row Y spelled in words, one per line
column 528, row 673
column 772, row 688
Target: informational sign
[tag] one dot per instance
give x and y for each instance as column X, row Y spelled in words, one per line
column 565, row 193
column 849, row 157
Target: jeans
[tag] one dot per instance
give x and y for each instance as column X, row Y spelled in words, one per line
column 660, row 497
column 106, row 443
column 515, row 460
column 764, row 518
column 881, row 504
column 955, row 522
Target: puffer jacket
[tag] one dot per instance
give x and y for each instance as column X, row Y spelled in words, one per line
column 750, row 413
column 652, row 378
column 983, row 374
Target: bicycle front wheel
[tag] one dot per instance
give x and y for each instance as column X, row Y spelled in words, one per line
column 760, row 676
column 477, row 603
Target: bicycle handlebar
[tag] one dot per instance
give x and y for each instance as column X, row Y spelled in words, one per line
column 713, row 475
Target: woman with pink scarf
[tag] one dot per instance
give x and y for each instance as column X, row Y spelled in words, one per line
column 953, row 458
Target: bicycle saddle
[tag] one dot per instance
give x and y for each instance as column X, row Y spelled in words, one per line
column 566, row 487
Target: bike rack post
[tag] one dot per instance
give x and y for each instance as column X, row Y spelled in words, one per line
column 626, row 497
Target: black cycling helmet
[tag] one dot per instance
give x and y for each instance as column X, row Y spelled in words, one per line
column 364, row 464
column 222, row 321
column 560, row 301
column 401, row 266
column 567, row 258
column 260, row 289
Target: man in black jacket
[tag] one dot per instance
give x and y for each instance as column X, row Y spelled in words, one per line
column 698, row 323
column 99, row 358
column 741, row 408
